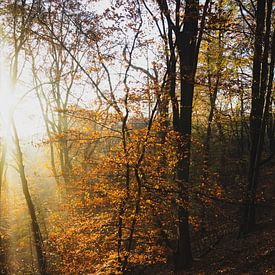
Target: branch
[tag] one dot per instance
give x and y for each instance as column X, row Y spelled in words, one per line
column 267, row 159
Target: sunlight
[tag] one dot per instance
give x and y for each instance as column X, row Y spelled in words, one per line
column 7, row 101
column 16, row 101
column 25, row 112
column 136, row 137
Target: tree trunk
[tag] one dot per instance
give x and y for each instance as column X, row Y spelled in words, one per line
column 186, row 46
column 261, row 94
column 182, row 35
column 38, row 241
column 3, row 258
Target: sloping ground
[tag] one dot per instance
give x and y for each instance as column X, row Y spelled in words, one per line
column 253, row 254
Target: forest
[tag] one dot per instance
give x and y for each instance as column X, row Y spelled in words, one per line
column 137, row 137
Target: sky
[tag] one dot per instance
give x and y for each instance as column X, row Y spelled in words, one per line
column 27, row 112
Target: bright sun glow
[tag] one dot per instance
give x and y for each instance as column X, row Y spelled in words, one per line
column 25, row 110
column 7, row 100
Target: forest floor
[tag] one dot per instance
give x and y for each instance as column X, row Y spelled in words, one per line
column 253, row 254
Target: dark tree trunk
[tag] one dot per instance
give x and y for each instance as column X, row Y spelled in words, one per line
column 3, row 258
column 183, row 37
column 186, row 46
column 38, row 241
column 271, row 130
column 261, row 93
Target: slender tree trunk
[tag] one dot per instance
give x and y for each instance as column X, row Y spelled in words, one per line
column 242, row 124
column 38, row 241
column 46, row 120
column 22, row 23
column 261, row 94
column 271, row 129
column 3, row 258
column 213, row 97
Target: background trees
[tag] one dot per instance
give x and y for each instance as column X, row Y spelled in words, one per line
column 147, row 126
column 262, row 79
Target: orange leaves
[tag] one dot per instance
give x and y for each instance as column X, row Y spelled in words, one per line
column 122, row 182
column 194, row 222
column 77, row 247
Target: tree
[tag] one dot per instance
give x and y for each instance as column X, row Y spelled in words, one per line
column 262, row 83
column 22, row 17
column 187, row 40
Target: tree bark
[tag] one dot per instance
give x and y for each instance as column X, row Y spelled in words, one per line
column 38, row 241
column 3, row 258
column 261, row 94
column 184, row 38
column 186, row 45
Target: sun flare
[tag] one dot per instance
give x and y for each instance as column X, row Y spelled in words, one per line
column 16, row 103
column 7, row 101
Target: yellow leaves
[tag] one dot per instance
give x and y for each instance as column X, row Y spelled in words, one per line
column 218, row 191
column 111, row 184
column 98, row 201
column 194, row 222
